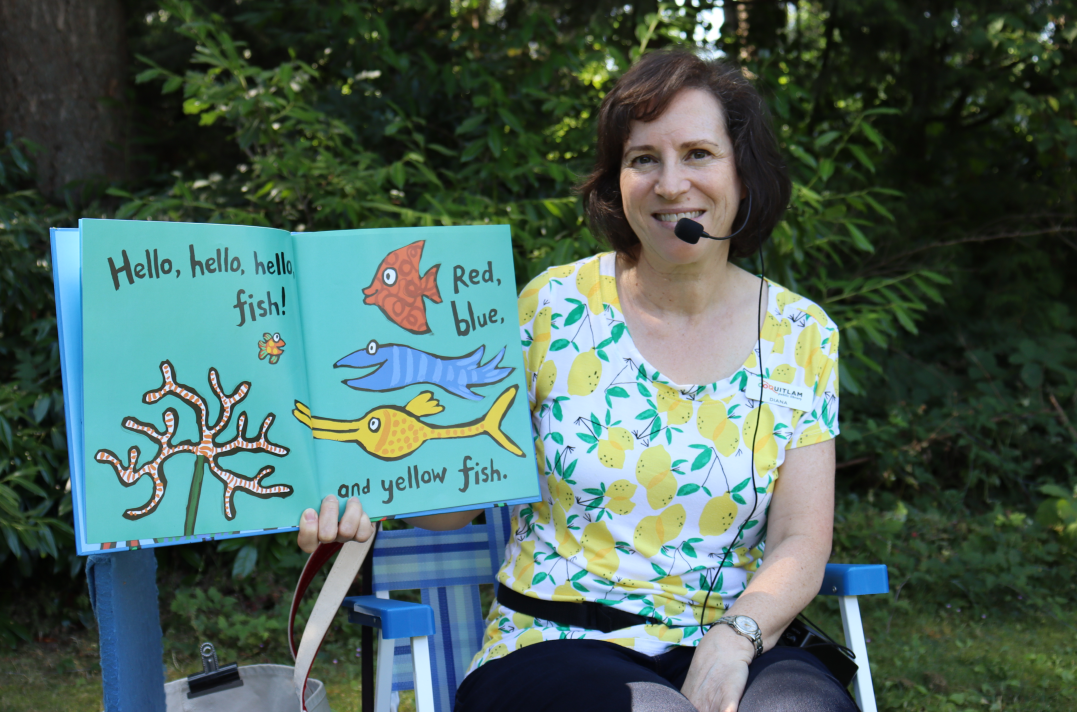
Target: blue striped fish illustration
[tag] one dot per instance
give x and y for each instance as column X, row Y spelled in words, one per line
column 397, row 366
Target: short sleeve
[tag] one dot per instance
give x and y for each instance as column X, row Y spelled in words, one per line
column 821, row 367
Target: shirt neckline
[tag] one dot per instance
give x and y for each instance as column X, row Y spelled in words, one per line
column 627, row 345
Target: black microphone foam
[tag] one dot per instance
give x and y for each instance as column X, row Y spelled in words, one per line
column 689, row 231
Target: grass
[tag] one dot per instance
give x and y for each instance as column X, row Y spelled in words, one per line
column 953, row 660
column 942, row 660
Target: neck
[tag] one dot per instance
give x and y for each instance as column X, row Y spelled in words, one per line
column 669, row 290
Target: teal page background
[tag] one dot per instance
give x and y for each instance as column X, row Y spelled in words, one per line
column 192, row 322
column 335, row 268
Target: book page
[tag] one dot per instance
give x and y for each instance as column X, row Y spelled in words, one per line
column 418, row 402
column 192, row 357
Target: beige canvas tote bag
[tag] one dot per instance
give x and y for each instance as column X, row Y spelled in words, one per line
column 284, row 688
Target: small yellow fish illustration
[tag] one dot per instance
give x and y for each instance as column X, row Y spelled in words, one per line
column 390, row 432
column 271, row 345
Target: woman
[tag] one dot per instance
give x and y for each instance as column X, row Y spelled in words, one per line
column 663, row 471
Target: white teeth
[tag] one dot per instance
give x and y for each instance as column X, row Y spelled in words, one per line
column 674, row 217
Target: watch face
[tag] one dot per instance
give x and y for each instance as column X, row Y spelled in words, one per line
column 746, row 624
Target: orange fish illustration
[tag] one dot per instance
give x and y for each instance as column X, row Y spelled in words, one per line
column 398, row 290
column 390, row 432
column 271, row 345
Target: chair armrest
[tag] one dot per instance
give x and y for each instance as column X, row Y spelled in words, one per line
column 397, row 619
column 855, row 580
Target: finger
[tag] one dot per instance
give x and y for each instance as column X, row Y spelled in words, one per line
column 327, row 520
column 349, row 523
column 366, row 528
column 308, row 531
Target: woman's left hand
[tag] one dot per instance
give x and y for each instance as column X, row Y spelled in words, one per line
column 719, row 671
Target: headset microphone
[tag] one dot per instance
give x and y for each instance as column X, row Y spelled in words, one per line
column 688, row 230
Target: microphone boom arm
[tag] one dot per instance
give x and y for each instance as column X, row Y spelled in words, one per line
column 690, row 231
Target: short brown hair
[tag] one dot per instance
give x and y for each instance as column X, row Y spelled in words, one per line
column 642, row 94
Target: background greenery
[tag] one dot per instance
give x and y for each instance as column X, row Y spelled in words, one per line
column 932, row 143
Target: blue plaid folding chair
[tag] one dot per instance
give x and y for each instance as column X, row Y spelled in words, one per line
column 448, row 568
column 428, row 647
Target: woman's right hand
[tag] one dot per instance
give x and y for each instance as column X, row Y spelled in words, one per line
column 323, row 527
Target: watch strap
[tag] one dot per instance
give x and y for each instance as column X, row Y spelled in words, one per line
column 756, row 638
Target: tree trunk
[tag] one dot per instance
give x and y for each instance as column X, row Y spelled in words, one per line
column 62, row 85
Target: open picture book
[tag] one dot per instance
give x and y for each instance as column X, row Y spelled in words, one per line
column 220, row 379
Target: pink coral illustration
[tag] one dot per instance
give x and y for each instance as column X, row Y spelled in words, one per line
column 207, row 450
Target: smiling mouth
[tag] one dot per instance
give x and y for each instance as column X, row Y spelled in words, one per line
column 674, row 217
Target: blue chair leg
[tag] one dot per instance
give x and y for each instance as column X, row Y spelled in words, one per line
column 123, row 592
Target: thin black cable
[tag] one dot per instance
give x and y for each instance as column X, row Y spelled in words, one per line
column 743, row 224
column 755, row 434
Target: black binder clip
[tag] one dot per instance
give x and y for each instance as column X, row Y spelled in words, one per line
column 213, row 678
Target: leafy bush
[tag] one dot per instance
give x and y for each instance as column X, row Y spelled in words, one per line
column 1059, row 513
column 33, row 446
column 222, row 619
column 940, row 553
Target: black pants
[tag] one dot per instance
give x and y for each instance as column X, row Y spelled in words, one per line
column 597, row 676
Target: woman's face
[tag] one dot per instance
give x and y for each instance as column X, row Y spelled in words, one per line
column 681, row 166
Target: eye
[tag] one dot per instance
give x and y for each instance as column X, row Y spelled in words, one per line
column 276, row 337
column 389, row 277
column 372, row 347
column 699, row 154
column 644, row 160
column 374, row 424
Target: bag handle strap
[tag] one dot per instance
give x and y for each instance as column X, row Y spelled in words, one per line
column 314, row 564
column 341, row 576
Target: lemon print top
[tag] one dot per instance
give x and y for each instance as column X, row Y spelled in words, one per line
column 646, row 482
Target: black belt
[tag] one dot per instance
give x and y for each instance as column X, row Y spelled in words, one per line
column 586, row 614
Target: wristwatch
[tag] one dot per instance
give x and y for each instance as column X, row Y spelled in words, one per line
column 743, row 625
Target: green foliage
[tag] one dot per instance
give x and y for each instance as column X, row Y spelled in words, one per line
column 450, row 148
column 976, row 395
column 1059, row 512
column 34, row 509
column 973, row 408
column 940, row 554
column 221, row 619
column 276, row 553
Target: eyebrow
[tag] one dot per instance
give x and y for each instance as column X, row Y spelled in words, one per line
column 695, row 143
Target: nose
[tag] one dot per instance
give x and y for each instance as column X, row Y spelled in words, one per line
column 672, row 181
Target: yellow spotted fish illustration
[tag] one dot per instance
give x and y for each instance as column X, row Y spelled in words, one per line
column 390, row 432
